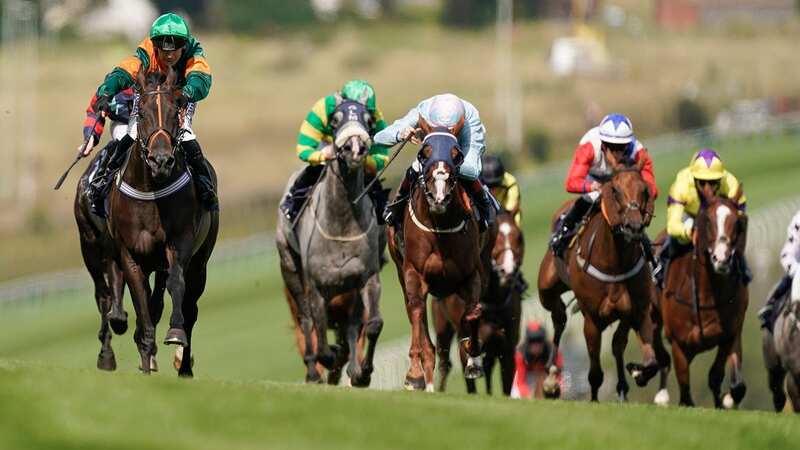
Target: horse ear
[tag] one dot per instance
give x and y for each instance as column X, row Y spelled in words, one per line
column 426, row 128
column 172, row 76
column 141, row 78
column 612, row 160
column 456, row 130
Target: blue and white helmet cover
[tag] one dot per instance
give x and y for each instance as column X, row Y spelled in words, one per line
column 616, row 129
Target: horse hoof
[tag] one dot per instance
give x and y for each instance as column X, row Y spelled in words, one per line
column 727, row 402
column 474, row 368
column 106, row 362
column 662, row 398
column 176, row 336
column 153, row 365
column 551, row 387
column 414, row 384
column 737, row 392
column 313, row 378
column 363, row 379
column 177, row 361
column 642, row 374
column 429, row 388
column 326, row 359
column 118, row 322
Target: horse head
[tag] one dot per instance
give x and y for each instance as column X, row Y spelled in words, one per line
column 158, row 123
column 718, row 229
column 351, row 122
column 508, row 250
column 627, row 202
column 440, row 158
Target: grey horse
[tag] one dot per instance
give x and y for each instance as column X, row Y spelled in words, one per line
column 333, row 254
column 782, row 351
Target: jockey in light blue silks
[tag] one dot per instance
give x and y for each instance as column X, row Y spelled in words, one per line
column 461, row 118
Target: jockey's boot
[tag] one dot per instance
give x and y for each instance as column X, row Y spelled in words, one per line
column 394, row 213
column 774, row 301
column 485, row 204
column 576, row 213
column 202, row 174
column 744, row 269
column 379, row 197
column 299, row 190
column 111, row 160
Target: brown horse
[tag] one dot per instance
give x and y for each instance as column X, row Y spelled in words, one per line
column 705, row 298
column 501, row 309
column 440, row 251
column 158, row 224
column 97, row 249
column 606, row 269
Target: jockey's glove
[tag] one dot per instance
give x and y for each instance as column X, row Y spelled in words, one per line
column 103, row 104
column 181, row 100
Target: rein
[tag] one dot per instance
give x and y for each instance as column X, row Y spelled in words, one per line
column 144, row 144
column 435, row 230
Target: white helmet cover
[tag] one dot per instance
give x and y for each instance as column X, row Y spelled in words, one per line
column 616, row 129
column 446, row 111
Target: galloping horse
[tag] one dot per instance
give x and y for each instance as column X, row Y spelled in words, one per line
column 440, row 251
column 159, row 225
column 705, row 298
column 97, row 248
column 331, row 262
column 501, row 310
column 606, row 269
column 782, row 351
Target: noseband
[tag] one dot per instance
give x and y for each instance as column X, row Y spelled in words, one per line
column 626, row 207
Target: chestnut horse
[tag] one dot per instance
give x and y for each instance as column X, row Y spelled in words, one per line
column 606, row 269
column 705, row 298
column 501, row 309
column 440, row 251
column 159, row 225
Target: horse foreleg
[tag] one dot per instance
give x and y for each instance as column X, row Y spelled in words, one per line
column 793, row 387
column 184, row 356
column 140, row 293
column 444, row 341
column 370, row 296
column 355, row 321
column 618, row 345
column 488, row 366
column 662, row 396
column 550, row 290
column 649, row 367
column 102, row 295
column 507, row 366
column 117, row 316
column 682, row 359
column 716, row 374
column 776, row 374
column 593, row 336
column 176, row 284
column 415, row 294
column 738, row 386
column 319, row 316
column 470, row 327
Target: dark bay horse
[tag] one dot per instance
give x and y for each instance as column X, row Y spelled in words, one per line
column 782, row 351
column 159, row 225
column 440, row 251
column 331, row 261
column 97, row 248
column 501, row 310
column 607, row 271
column 704, row 300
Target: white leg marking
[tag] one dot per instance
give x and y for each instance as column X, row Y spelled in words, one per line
column 662, row 398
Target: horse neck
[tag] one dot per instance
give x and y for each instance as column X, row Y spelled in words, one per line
column 339, row 189
column 616, row 250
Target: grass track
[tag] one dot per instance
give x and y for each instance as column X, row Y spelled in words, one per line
column 89, row 410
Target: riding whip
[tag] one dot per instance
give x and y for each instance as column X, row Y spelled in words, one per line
column 378, row 176
column 80, row 153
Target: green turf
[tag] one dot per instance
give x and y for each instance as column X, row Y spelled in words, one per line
column 55, row 408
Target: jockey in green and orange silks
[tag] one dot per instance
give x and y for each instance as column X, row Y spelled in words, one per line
column 169, row 46
column 315, row 146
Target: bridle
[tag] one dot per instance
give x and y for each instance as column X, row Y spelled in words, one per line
column 626, row 206
column 452, row 177
column 161, row 130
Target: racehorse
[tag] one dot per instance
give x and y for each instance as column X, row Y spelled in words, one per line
column 158, row 224
column 501, row 310
column 704, row 300
column 782, row 351
column 605, row 268
column 97, row 248
column 331, row 261
column 440, row 251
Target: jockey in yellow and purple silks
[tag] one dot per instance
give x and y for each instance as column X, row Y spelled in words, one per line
column 169, row 46
column 684, row 201
column 502, row 185
column 315, row 146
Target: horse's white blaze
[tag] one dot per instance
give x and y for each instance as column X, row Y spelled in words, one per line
column 507, row 264
column 440, row 176
column 355, row 146
column 662, row 398
column 723, row 242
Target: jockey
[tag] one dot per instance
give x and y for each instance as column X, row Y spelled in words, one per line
column 531, row 360
column 590, row 170
column 170, row 45
column 120, row 114
column 684, row 202
column 790, row 259
column 458, row 116
column 502, row 185
column 315, row 146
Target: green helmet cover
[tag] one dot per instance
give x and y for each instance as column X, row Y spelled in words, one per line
column 359, row 91
column 170, row 24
